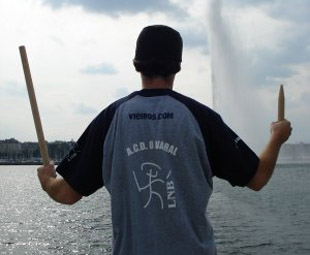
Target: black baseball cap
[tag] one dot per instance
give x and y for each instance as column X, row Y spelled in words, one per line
column 159, row 42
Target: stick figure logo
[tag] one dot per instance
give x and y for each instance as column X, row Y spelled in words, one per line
column 151, row 179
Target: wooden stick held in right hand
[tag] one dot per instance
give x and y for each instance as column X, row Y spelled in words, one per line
column 34, row 106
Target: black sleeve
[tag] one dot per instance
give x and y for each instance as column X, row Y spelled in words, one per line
column 230, row 158
column 82, row 167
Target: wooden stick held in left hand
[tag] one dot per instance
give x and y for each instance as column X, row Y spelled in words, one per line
column 34, row 106
column 281, row 104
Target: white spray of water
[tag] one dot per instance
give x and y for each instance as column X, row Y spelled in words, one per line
column 233, row 96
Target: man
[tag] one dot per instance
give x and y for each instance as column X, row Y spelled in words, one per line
column 156, row 152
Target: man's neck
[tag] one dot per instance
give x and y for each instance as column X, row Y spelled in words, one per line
column 157, row 82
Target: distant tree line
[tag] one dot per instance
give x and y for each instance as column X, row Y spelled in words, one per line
column 11, row 150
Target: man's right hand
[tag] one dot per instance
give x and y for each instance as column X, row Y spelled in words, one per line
column 57, row 188
column 46, row 174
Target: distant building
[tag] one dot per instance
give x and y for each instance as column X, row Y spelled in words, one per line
column 13, row 151
column 10, row 149
column 295, row 153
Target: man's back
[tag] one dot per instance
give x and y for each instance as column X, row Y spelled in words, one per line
column 156, row 169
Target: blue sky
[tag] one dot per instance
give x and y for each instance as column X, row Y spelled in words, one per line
column 80, row 55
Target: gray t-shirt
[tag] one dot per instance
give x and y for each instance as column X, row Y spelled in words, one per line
column 156, row 152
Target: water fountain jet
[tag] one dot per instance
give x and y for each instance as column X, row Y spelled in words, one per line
column 234, row 96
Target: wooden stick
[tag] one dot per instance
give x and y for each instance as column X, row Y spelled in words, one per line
column 281, row 104
column 34, row 106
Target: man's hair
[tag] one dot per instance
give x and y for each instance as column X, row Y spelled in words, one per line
column 158, row 51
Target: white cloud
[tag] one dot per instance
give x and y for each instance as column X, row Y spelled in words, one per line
column 12, row 89
column 117, row 7
column 256, row 29
column 272, row 48
column 62, row 42
column 84, row 109
column 102, row 68
column 297, row 95
column 121, row 92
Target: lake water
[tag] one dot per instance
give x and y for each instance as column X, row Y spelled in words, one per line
column 274, row 221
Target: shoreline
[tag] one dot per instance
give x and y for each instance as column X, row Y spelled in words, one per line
column 21, row 163
column 38, row 163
